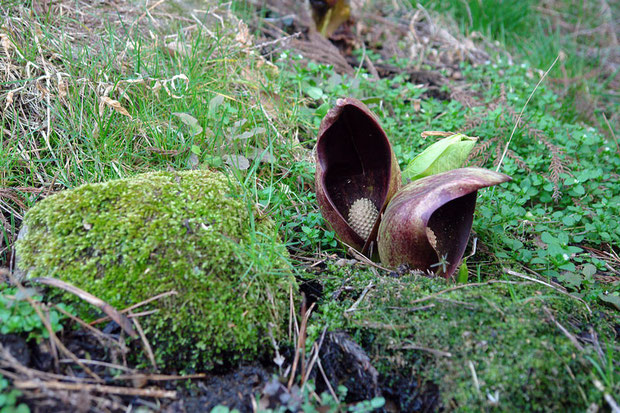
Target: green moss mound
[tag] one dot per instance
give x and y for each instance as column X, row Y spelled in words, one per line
column 128, row 240
column 505, row 331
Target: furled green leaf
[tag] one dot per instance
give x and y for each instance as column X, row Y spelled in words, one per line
column 444, row 155
column 463, row 273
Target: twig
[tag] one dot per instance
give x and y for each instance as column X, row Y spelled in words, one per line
column 292, row 317
column 98, row 334
column 608, row 398
column 316, row 348
column 597, row 345
column 329, row 386
column 133, row 307
column 361, row 257
column 301, row 339
column 53, row 338
column 495, row 307
column 101, row 364
column 571, row 337
column 457, row 302
column 120, row 319
column 458, row 287
column 412, row 346
column 340, row 289
column 474, row 375
column 7, row 360
column 359, row 300
column 98, row 388
column 412, row 309
column 145, row 343
column 159, row 377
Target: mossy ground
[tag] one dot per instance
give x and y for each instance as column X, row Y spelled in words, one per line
column 492, row 345
column 128, row 240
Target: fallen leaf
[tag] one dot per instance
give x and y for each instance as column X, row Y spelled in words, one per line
column 237, row 161
column 193, row 160
column 62, row 86
column 6, row 44
column 114, row 104
column 243, row 34
column 248, row 134
column 9, row 99
column 190, row 121
column 265, row 156
column 177, row 47
column 175, row 86
column 215, row 103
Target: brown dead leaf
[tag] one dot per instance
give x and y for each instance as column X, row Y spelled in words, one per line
column 6, row 44
column 243, row 37
column 417, row 104
column 41, row 88
column 178, row 48
column 114, row 104
column 9, row 99
column 62, row 86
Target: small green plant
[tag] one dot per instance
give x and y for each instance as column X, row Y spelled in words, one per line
column 17, row 315
column 8, row 399
column 306, row 400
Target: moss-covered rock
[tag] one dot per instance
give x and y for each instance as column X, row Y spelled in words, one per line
column 128, row 240
column 491, row 346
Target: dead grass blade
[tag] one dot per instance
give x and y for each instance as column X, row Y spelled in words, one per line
column 526, row 277
column 54, row 341
column 499, row 165
column 300, row 348
column 95, row 388
column 117, row 317
column 133, row 307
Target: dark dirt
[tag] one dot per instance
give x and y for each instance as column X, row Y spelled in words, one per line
column 345, row 363
column 235, row 389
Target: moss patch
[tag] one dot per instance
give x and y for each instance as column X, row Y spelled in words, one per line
column 522, row 361
column 131, row 239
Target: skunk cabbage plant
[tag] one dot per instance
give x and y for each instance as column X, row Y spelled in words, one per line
column 427, row 223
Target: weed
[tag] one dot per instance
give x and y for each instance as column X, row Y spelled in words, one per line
column 17, row 315
column 8, row 399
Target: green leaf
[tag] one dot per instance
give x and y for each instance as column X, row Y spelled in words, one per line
column 190, row 121
column 377, row 402
column 314, row 92
column 611, row 300
column 588, row 270
column 547, row 238
column 571, row 279
column 463, row 274
column 444, row 155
